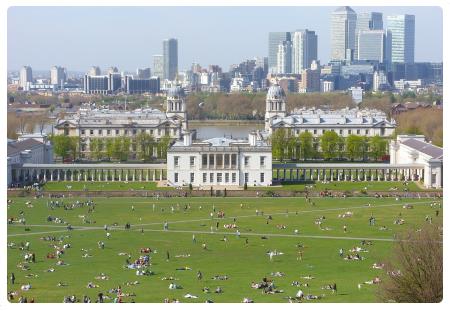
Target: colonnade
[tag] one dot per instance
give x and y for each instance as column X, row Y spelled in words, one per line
column 348, row 174
column 87, row 174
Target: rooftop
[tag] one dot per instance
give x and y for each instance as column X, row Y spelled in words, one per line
column 426, row 148
column 19, row 146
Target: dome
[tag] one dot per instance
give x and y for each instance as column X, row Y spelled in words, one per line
column 275, row 92
column 176, row 91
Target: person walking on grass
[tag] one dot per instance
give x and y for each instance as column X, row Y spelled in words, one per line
column 167, row 256
column 13, row 278
column 193, row 239
column 199, row 275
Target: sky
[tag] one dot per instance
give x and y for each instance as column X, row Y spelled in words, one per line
column 127, row 37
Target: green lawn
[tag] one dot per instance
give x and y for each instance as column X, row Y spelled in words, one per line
column 353, row 186
column 241, row 262
column 100, row 185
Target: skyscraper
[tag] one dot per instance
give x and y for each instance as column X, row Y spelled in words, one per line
column 94, row 71
column 26, row 75
column 143, row 73
column 57, row 75
column 367, row 21
column 343, row 25
column 170, row 58
column 275, row 38
column 402, row 28
column 304, row 49
column 374, row 45
column 284, row 57
column 158, row 66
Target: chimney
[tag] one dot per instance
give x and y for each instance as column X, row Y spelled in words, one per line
column 252, row 137
column 187, row 138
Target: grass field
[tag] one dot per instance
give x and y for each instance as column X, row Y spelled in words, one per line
column 354, row 186
column 99, row 186
column 243, row 263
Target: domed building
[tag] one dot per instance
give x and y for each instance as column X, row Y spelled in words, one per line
column 275, row 105
column 176, row 106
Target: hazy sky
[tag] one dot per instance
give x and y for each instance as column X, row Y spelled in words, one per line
column 127, row 37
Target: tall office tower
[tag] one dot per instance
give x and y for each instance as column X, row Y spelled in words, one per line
column 367, row 21
column 343, row 25
column 304, row 49
column 113, row 69
column 143, row 73
column 94, row 71
column 402, row 28
column 275, row 38
column 170, row 58
column 57, row 75
column 284, row 57
column 374, row 45
column 158, row 66
column 379, row 79
column 26, row 75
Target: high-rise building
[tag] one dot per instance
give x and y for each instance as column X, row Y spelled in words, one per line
column 158, row 66
column 374, row 45
column 367, row 21
column 94, row 71
column 275, row 38
column 57, row 75
column 144, row 73
column 26, row 75
column 284, row 57
column 170, row 58
column 141, row 85
column 113, row 69
column 402, row 28
column 310, row 79
column 343, row 25
column 379, row 80
column 304, row 49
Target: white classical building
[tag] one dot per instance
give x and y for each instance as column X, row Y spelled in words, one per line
column 220, row 162
column 29, row 148
column 367, row 122
column 91, row 123
column 413, row 149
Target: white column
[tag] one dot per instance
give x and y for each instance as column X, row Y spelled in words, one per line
column 51, row 175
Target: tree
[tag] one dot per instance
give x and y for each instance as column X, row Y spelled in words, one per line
column 306, row 145
column 355, row 147
column 110, row 148
column 417, row 263
column 125, row 148
column 163, row 146
column 329, row 143
column 278, row 140
column 378, row 147
column 145, row 143
column 64, row 146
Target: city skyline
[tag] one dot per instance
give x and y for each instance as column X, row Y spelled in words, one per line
column 75, row 55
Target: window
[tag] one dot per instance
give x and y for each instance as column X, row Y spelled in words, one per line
column 358, row 131
column 176, row 161
column 211, row 177
column 261, row 177
column 211, row 160
column 134, row 132
column 192, row 161
column 233, row 159
column 227, row 160
column 367, row 132
column 176, row 177
column 108, row 132
column 219, row 177
column 126, row 132
column 204, row 160
column 82, row 132
column 262, row 161
column 349, row 131
column 315, row 131
column 204, row 177
column 246, row 177
column 246, row 161
column 340, row 132
column 91, row 132
column 151, row 132
column 117, row 132
column 227, row 177
column 233, row 177
column 192, row 177
column 100, row 132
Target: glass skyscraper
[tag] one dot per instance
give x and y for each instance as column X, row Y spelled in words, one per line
column 304, row 49
column 402, row 28
column 343, row 26
column 367, row 21
column 170, row 58
column 275, row 39
column 374, row 45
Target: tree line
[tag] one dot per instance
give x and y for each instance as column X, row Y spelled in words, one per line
column 144, row 146
column 329, row 146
